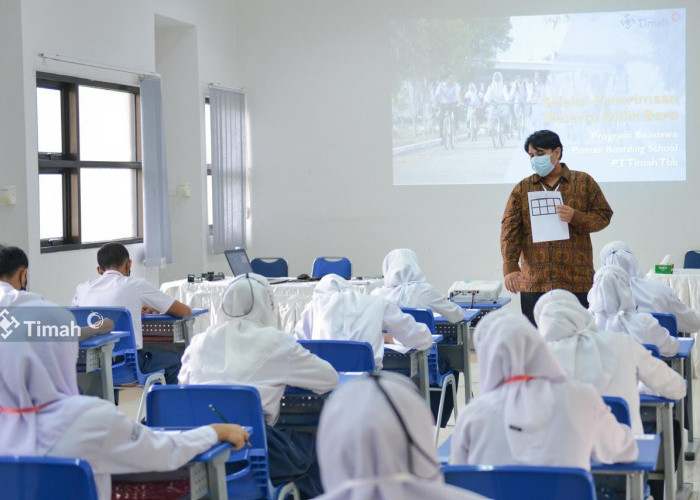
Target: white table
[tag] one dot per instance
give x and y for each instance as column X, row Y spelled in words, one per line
column 684, row 282
column 291, row 297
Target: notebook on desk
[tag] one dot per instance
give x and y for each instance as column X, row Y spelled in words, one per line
column 239, row 263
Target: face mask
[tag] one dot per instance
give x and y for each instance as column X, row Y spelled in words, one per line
column 542, row 165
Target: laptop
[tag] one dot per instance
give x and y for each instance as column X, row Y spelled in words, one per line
column 239, row 263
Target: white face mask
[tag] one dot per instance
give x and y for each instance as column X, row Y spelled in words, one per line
column 542, row 165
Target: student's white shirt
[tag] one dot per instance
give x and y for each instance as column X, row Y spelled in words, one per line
column 654, row 296
column 114, row 444
column 113, row 289
column 581, row 427
column 337, row 312
column 244, row 348
column 10, row 296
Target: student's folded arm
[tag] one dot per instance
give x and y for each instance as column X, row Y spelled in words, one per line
column 668, row 345
column 403, row 327
column 179, row 309
column 655, row 374
column 308, row 371
column 688, row 319
column 613, row 442
column 451, row 311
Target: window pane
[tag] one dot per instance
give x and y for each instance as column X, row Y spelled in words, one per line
column 107, row 204
column 210, row 203
column 207, row 131
column 48, row 114
column 50, row 206
column 107, row 125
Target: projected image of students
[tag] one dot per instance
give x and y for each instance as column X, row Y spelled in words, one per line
column 447, row 99
column 497, row 99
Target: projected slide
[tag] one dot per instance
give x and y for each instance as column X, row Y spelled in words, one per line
column 467, row 92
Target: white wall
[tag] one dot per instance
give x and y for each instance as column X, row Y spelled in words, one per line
column 318, row 80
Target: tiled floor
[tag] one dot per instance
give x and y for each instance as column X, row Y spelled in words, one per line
column 129, row 402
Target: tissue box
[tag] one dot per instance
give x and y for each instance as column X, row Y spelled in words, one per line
column 663, row 268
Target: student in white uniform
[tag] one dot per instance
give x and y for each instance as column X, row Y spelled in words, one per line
column 528, row 413
column 374, row 443
column 612, row 304
column 338, row 312
column 650, row 295
column 115, row 287
column 405, row 285
column 245, row 347
column 42, row 414
column 613, row 362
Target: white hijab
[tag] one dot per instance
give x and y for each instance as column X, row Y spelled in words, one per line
column 340, row 312
column 401, row 274
column 620, row 254
column 570, row 332
column 236, row 344
column 39, row 378
column 612, row 303
column 507, row 346
column 364, row 452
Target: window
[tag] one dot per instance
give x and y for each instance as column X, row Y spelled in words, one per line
column 207, row 141
column 89, row 163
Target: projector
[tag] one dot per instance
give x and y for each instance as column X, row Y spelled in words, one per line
column 478, row 291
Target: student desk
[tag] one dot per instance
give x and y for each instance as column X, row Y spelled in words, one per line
column 486, row 306
column 207, row 473
column 290, row 296
column 98, row 355
column 455, row 345
column 648, row 445
column 418, row 364
column 682, row 363
column 163, row 327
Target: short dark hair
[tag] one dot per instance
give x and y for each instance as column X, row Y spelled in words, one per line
column 11, row 259
column 112, row 255
column 544, row 139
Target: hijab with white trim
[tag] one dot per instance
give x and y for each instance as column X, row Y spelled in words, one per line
column 364, row 452
column 571, row 334
column 508, row 346
column 611, row 301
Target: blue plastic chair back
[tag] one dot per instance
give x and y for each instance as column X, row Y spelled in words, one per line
column 46, row 478
column 270, row 267
column 126, row 371
column 189, row 406
column 653, row 349
column 691, row 259
column 510, row 482
column 668, row 321
column 343, row 355
column 332, row 265
column 619, row 408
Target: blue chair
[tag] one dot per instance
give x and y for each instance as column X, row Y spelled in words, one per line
column 438, row 381
column 668, row 321
column 619, row 408
column 653, row 349
column 691, row 259
column 514, row 482
column 44, row 478
column 190, row 406
column 126, row 371
column 270, row 267
column 332, row 265
column 343, row 355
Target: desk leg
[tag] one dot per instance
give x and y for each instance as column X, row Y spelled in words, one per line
column 423, row 381
column 667, row 429
column 106, row 372
column 216, row 474
column 635, row 486
column 465, row 334
column 692, row 446
column 189, row 331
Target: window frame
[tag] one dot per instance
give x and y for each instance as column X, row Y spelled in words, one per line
column 208, row 169
column 69, row 165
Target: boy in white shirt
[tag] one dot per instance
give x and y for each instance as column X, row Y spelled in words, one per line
column 115, row 287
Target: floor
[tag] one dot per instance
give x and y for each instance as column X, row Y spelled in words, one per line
column 129, row 402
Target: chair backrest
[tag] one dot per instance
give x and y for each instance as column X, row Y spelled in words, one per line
column 190, row 406
column 426, row 316
column 270, row 267
column 422, row 315
column 691, row 259
column 336, row 265
column 668, row 321
column 46, row 477
column 127, row 370
column 653, row 349
column 619, row 408
column 510, row 482
column 343, row 355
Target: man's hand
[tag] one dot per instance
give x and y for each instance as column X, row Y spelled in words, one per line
column 233, row 433
column 512, row 281
column 565, row 213
column 388, row 339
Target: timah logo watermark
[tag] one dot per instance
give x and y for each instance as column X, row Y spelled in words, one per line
column 44, row 323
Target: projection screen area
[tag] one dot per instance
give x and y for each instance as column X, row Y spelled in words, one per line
column 467, row 92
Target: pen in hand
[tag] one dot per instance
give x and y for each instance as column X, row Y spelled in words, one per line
column 225, row 420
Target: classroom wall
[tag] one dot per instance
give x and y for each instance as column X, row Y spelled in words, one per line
column 317, row 76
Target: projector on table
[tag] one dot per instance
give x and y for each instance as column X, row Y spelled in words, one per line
column 475, row 291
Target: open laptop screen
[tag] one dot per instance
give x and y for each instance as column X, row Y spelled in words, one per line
column 238, row 260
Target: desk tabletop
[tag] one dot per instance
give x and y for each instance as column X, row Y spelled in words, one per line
column 686, row 344
column 648, row 445
column 469, row 314
column 169, row 317
column 467, row 304
column 102, row 339
column 648, row 400
column 214, row 451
